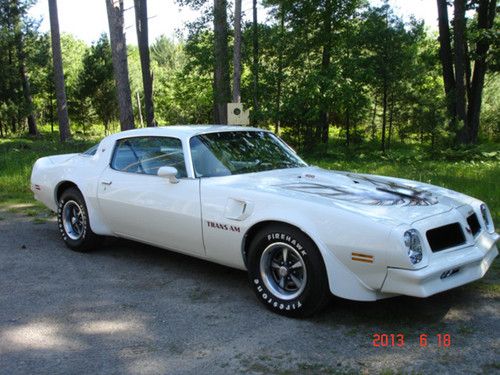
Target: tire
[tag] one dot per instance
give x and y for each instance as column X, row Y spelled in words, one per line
column 295, row 284
column 73, row 221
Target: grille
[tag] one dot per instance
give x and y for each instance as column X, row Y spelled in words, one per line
column 444, row 237
column 474, row 225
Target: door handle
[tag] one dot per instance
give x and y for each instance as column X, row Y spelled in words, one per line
column 106, row 182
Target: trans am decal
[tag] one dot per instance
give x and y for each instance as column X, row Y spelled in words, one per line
column 230, row 228
column 384, row 194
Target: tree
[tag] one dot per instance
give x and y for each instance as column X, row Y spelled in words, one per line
column 32, row 128
column 388, row 56
column 255, row 62
column 464, row 84
column 16, row 26
column 141, row 21
column 279, row 84
column 120, row 67
column 222, row 89
column 237, row 52
column 96, row 88
column 446, row 56
column 459, row 44
column 62, row 109
column 486, row 12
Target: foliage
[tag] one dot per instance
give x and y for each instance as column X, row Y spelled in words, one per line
column 16, row 31
column 369, row 60
column 95, row 87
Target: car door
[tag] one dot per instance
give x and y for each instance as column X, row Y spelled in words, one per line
column 138, row 204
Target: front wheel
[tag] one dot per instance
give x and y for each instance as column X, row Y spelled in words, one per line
column 73, row 221
column 286, row 271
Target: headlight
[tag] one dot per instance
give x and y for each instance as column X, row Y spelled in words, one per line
column 413, row 246
column 485, row 213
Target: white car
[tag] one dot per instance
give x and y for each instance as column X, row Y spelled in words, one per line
column 242, row 198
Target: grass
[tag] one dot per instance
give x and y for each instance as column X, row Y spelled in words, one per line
column 17, row 156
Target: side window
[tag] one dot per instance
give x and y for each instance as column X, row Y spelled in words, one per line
column 145, row 155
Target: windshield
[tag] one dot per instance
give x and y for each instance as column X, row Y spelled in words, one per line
column 236, row 152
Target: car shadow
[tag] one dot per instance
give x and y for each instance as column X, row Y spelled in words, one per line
column 390, row 313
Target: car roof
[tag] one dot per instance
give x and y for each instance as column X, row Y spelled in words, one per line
column 180, row 131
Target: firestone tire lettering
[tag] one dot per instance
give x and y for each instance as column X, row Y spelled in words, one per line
column 316, row 293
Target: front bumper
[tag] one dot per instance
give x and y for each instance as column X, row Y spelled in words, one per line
column 471, row 263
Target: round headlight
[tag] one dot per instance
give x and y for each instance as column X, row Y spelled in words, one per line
column 413, row 246
column 485, row 213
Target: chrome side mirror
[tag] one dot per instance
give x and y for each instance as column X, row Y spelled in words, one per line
column 170, row 173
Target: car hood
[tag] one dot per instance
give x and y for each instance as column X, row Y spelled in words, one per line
column 382, row 198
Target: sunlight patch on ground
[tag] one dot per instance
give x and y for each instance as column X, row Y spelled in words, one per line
column 110, row 326
column 37, row 336
column 151, row 366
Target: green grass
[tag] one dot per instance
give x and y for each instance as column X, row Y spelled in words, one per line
column 17, row 156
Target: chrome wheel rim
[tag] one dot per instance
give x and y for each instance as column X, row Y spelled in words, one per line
column 72, row 220
column 283, row 271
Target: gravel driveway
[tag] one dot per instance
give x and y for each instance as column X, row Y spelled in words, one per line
column 134, row 309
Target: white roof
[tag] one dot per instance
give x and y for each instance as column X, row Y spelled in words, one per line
column 180, row 131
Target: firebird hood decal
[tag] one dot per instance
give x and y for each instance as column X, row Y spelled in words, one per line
column 380, row 196
column 362, row 189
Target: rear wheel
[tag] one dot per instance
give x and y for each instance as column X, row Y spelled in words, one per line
column 73, row 221
column 286, row 271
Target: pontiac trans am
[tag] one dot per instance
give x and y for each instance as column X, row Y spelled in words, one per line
column 242, row 198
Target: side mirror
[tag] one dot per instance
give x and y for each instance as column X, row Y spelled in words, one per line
column 170, row 173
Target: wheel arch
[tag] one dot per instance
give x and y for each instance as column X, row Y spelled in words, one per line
column 256, row 227
column 63, row 186
column 97, row 222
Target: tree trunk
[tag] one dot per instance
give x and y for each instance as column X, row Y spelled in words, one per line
column 141, row 23
column 486, row 15
column 277, row 127
column 459, row 42
column 468, row 73
column 222, row 89
column 446, row 57
column 32, row 128
column 52, row 114
column 255, row 64
column 62, row 104
column 325, row 65
column 237, row 52
column 348, row 127
column 138, row 98
column 120, row 67
column 391, row 116
column 373, row 119
column 384, row 114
